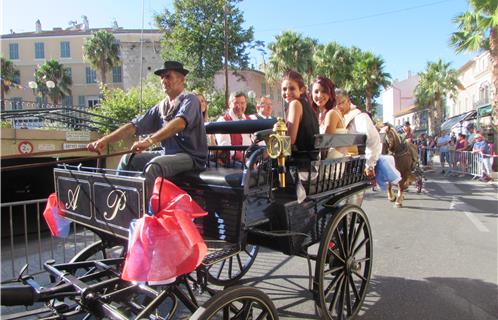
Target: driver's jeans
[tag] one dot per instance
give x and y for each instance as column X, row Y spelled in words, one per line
column 165, row 166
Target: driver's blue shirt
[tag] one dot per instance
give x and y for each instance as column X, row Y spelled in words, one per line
column 191, row 140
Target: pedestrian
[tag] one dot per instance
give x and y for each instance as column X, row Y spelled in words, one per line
column 482, row 147
column 460, row 147
column 407, row 131
column 175, row 124
column 442, row 144
column 422, row 147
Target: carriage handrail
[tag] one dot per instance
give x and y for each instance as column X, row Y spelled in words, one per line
column 242, row 126
column 323, row 141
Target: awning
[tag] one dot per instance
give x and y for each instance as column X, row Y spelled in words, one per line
column 451, row 122
column 484, row 110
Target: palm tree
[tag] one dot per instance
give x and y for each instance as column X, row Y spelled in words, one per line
column 335, row 62
column 102, row 51
column 369, row 77
column 478, row 30
column 436, row 83
column 290, row 51
column 8, row 76
column 53, row 71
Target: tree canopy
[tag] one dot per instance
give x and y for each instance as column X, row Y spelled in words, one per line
column 9, row 75
column 437, row 82
column 102, row 51
column 194, row 35
column 53, row 71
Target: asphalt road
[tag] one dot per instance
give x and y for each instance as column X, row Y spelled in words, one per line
column 435, row 258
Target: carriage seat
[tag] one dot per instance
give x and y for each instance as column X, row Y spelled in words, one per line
column 217, row 177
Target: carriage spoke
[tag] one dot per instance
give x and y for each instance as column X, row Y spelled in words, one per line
column 341, row 244
column 230, row 263
column 245, row 311
column 220, row 269
column 346, row 235
column 357, row 235
column 362, row 259
column 336, row 294
column 347, row 296
column 337, row 256
column 263, row 315
column 355, row 290
column 333, row 270
column 241, row 267
column 362, row 243
column 352, row 232
column 333, row 283
column 360, row 276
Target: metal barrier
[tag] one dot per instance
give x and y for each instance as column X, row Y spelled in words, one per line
column 28, row 240
column 467, row 162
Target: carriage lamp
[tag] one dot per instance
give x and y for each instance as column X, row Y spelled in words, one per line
column 279, row 147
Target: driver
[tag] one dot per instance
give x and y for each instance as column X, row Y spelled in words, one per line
column 175, row 123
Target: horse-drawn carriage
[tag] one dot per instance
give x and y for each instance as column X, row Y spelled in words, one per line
column 288, row 207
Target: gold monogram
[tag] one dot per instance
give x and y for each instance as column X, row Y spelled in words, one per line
column 116, row 200
column 72, row 197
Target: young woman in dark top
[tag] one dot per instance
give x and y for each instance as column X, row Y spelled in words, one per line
column 302, row 123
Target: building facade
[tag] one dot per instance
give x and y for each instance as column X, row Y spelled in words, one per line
column 399, row 97
column 476, row 93
column 29, row 50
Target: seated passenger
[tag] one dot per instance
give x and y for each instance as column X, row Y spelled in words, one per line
column 236, row 111
column 175, row 122
column 263, row 109
column 360, row 122
column 330, row 119
column 302, row 123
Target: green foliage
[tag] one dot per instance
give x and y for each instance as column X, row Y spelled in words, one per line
column 334, row 62
column 194, row 35
column 5, row 124
column 9, row 74
column 102, row 51
column 291, row 51
column 436, row 83
column 54, row 71
column 120, row 106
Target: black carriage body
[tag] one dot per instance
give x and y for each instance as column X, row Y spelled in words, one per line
column 105, row 203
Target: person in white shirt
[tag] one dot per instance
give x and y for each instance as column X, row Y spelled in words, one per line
column 263, row 109
column 236, row 111
column 360, row 122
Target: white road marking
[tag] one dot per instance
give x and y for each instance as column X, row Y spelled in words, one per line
column 478, row 224
column 461, row 206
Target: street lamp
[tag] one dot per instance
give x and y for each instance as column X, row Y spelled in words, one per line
column 50, row 84
column 33, row 85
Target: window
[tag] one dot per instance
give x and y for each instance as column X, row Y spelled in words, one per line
column 263, row 88
column 81, row 101
column 117, row 74
column 39, row 50
column 271, row 93
column 65, row 49
column 91, row 75
column 92, row 101
column 13, row 51
column 67, row 101
column 16, row 103
column 41, row 103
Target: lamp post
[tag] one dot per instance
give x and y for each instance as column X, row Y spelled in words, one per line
column 33, row 85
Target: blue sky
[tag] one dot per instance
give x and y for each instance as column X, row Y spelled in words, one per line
column 406, row 34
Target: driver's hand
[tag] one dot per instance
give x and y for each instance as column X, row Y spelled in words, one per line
column 140, row 146
column 370, row 172
column 97, row 146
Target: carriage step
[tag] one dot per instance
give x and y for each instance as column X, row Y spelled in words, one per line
column 218, row 255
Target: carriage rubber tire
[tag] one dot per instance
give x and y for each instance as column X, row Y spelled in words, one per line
column 346, row 271
column 223, row 300
column 226, row 281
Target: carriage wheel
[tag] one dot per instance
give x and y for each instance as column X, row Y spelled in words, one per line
column 344, row 264
column 238, row 302
column 98, row 250
column 227, row 271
